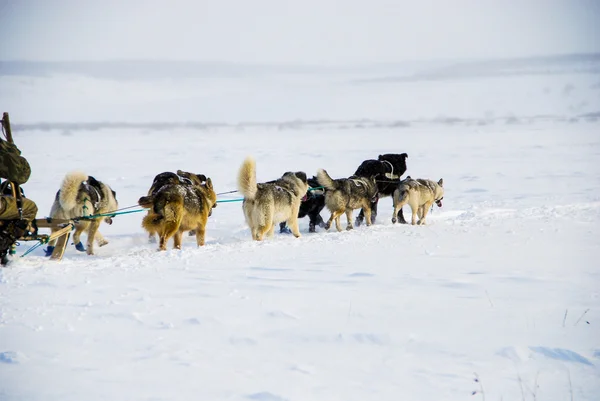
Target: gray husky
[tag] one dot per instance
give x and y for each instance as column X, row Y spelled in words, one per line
column 267, row 204
column 420, row 195
column 346, row 194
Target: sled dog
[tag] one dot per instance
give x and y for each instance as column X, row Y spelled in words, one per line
column 387, row 170
column 82, row 195
column 179, row 206
column 312, row 204
column 179, row 178
column 420, row 195
column 346, row 194
column 269, row 203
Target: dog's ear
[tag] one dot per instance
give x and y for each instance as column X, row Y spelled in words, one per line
column 441, row 182
column 208, row 183
column 201, row 177
column 405, row 155
column 114, row 194
column 380, row 157
column 92, row 181
column 302, row 176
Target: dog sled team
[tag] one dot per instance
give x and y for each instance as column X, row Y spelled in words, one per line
column 182, row 202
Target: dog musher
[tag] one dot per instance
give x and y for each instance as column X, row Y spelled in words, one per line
column 17, row 213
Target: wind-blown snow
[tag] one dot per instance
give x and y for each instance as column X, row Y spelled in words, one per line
column 502, row 283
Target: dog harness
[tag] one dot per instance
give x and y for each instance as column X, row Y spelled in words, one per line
column 391, row 175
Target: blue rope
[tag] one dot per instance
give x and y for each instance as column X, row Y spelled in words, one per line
column 230, row 200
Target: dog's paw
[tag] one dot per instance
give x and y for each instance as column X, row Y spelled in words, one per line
column 394, row 220
column 49, row 250
column 79, row 246
column 103, row 242
column 349, row 227
column 327, row 226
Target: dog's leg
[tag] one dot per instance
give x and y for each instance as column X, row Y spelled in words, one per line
column 260, row 232
column 77, row 237
column 201, row 233
column 168, row 230
column 91, row 234
column 414, row 211
column 426, row 207
column 373, row 210
column 283, row 228
column 100, row 240
column 314, row 220
column 401, row 218
column 360, row 218
column 395, row 213
column 349, row 220
column 293, row 223
column 328, row 224
column 368, row 216
column 271, row 231
column 177, row 239
column 338, row 223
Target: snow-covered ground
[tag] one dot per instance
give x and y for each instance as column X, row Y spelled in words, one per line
column 502, row 284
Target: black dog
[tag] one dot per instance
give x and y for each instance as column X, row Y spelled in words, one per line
column 311, row 206
column 387, row 170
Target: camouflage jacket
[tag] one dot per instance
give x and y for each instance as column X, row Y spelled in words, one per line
column 13, row 166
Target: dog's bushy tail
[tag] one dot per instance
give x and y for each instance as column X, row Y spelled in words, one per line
column 325, row 180
column 247, row 179
column 146, row 202
column 70, row 188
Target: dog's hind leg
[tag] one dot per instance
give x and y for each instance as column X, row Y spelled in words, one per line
column 293, row 223
column 368, row 216
column 100, row 240
column 77, row 237
column 425, row 209
column 349, row 220
column 373, row 211
column 271, row 231
column 414, row 211
column 360, row 218
column 168, row 230
column 200, row 233
column 91, row 234
column 177, row 239
column 401, row 218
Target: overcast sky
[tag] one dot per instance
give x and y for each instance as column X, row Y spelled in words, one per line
column 299, row 31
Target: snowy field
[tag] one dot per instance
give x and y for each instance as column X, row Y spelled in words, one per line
column 502, row 284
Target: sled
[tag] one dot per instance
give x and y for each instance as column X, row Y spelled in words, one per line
column 62, row 228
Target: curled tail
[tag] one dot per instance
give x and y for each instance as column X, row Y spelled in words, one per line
column 70, row 188
column 247, row 179
column 325, row 180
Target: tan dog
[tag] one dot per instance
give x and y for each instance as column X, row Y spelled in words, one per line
column 270, row 203
column 81, row 195
column 420, row 195
column 176, row 208
column 169, row 178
